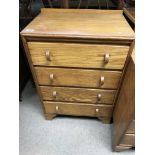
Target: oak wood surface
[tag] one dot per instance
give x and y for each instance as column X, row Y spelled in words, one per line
column 78, row 55
column 80, row 38
column 128, row 59
column 105, row 120
column 32, row 70
column 78, row 109
column 125, row 107
column 49, row 116
column 131, row 128
column 77, row 77
column 128, row 139
column 73, row 23
column 78, row 95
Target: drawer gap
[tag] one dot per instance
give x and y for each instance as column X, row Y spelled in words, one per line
column 78, row 87
column 108, row 104
column 105, row 69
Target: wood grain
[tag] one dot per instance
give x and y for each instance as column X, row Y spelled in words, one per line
column 128, row 139
column 78, row 109
column 78, row 55
column 80, row 23
column 131, row 128
column 78, row 95
column 32, row 70
column 77, row 77
column 78, row 40
column 125, row 107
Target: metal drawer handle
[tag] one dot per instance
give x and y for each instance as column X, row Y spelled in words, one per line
column 51, row 77
column 57, row 108
column 106, row 58
column 54, row 94
column 48, row 55
column 102, row 80
column 99, row 97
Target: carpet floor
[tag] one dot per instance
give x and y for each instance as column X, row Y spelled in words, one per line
column 62, row 135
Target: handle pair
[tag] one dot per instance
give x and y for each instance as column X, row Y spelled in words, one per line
column 48, row 57
column 101, row 80
column 54, row 94
column 57, row 109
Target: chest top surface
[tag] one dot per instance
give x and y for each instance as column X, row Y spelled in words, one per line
column 78, row 23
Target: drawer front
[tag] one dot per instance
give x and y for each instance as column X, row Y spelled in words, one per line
column 78, row 77
column 78, row 109
column 131, row 128
column 78, row 94
column 128, row 139
column 78, row 55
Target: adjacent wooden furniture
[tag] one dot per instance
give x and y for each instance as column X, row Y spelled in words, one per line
column 24, row 71
column 78, row 58
column 124, row 112
column 129, row 13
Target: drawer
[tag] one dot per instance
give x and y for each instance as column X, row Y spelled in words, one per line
column 78, row 109
column 78, row 55
column 77, row 94
column 77, row 77
column 128, row 139
column 131, row 128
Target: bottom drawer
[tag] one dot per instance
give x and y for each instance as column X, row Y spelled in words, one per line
column 128, row 139
column 78, row 109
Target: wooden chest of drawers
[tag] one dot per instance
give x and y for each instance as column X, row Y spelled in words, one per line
column 77, row 58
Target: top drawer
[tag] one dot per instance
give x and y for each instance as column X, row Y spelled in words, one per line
column 78, row 55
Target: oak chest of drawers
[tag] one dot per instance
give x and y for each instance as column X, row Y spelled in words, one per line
column 77, row 58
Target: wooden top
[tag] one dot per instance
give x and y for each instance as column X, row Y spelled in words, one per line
column 80, row 23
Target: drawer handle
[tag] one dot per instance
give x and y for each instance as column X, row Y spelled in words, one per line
column 51, row 77
column 106, row 58
column 99, row 97
column 57, row 108
column 102, row 80
column 54, row 94
column 97, row 110
column 48, row 55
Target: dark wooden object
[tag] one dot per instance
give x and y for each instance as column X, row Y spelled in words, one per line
column 129, row 13
column 24, row 72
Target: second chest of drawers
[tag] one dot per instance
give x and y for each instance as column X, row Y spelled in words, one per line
column 74, row 77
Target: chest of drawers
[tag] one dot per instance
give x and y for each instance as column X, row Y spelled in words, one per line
column 77, row 58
